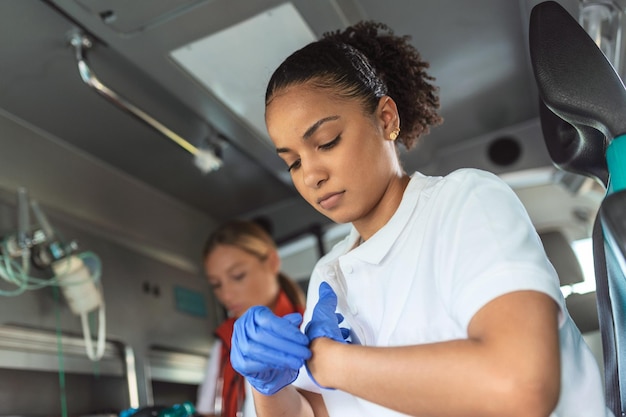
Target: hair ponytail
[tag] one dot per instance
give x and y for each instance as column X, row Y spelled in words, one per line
column 365, row 62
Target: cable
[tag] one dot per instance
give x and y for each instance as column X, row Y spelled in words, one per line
column 62, row 385
column 80, row 284
column 14, row 273
column 96, row 354
column 77, row 274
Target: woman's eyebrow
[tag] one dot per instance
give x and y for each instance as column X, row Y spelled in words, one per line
column 310, row 131
column 234, row 266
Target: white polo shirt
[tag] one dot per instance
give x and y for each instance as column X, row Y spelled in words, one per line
column 454, row 244
column 205, row 403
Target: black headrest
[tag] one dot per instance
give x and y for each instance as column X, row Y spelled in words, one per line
column 579, row 85
column 579, row 150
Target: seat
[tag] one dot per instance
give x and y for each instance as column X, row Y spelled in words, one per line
column 562, row 257
column 583, row 118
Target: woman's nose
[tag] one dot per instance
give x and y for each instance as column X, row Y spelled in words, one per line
column 313, row 174
column 226, row 294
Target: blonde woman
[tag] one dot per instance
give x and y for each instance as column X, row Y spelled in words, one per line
column 242, row 265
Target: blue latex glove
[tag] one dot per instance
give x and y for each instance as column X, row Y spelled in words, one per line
column 268, row 350
column 345, row 333
column 325, row 322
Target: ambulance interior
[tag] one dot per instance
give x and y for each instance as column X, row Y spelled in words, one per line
column 130, row 129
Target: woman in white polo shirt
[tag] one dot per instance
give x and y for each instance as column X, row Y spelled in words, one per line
column 452, row 306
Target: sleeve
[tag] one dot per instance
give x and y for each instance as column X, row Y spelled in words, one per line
column 317, row 276
column 304, row 381
column 488, row 246
column 311, row 297
column 206, row 391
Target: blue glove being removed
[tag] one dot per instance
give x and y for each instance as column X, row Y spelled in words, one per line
column 325, row 322
column 268, row 350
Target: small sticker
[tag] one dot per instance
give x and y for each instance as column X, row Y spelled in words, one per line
column 190, row 302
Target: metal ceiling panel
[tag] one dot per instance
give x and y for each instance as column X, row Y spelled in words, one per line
column 477, row 50
column 126, row 17
column 51, row 95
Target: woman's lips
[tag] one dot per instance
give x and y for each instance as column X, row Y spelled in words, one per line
column 330, row 201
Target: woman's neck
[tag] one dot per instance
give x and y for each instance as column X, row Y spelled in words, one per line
column 384, row 210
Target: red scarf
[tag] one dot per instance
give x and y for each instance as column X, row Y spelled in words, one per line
column 233, row 392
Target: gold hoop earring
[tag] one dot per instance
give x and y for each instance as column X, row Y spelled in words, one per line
column 394, row 134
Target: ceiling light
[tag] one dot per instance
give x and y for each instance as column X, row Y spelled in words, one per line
column 236, row 63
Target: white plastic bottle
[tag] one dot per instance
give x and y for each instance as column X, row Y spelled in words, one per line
column 77, row 285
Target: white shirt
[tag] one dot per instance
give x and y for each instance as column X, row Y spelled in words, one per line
column 454, row 244
column 206, row 391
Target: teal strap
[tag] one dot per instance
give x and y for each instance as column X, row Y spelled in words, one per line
column 57, row 314
column 616, row 161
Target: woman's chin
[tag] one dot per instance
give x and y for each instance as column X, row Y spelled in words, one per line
column 236, row 312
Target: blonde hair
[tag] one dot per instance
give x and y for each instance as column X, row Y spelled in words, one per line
column 252, row 238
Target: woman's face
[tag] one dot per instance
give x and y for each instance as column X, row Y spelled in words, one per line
column 340, row 159
column 241, row 280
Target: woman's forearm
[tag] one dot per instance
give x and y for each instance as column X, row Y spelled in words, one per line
column 514, row 371
column 287, row 402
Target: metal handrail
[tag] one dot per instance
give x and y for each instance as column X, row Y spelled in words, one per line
column 81, row 43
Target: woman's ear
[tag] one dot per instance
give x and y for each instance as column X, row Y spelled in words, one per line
column 388, row 115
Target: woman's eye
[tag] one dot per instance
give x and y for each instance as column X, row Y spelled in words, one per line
column 330, row 144
column 239, row 277
column 215, row 286
column 293, row 166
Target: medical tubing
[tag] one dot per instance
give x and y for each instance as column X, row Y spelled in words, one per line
column 14, row 273
column 42, row 219
column 11, row 272
column 62, row 385
column 23, row 218
column 97, row 353
column 23, row 227
column 7, row 268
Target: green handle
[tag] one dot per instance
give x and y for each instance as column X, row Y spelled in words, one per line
column 616, row 161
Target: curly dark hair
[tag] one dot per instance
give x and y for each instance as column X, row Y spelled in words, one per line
column 367, row 61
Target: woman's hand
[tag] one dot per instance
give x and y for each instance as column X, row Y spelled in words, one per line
column 325, row 322
column 268, row 350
